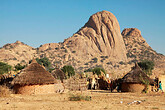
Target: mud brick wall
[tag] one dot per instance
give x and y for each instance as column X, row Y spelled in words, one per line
column 35, row 89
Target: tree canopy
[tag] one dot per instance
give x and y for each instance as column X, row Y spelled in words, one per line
column 147, row 66
column 98, row 70
column 68, row 70
column 19, row 67
column 4, row 68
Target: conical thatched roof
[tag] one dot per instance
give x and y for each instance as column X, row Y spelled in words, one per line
column 59, row 74
column 34, row 74
column 136, row 75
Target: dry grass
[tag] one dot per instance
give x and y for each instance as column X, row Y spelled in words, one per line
column 4, row 91
column 101, row 100
column 79, row 97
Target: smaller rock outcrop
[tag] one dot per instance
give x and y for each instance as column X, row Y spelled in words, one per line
column 134, row 32
column 17, row 52
column 138, row 49
column 48, row 46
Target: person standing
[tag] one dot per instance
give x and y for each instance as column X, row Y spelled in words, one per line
column 160, row 86
column 109, row 82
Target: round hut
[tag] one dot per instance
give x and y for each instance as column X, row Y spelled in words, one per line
column 59, row 74
column 136, row 80
column 34, row 79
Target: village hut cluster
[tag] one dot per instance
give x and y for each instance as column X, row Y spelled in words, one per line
column 34, row 79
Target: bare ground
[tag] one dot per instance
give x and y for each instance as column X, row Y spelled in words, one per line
column 101, row 100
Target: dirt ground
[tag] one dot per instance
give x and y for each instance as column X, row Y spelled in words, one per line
column 101, row 100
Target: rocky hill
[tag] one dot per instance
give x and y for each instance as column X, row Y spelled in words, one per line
column 138, row 49
column 17, row 52
column 100, row 36
column 98, row 43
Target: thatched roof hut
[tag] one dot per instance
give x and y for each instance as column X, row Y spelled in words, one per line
column 136, row 80
column 59, row 74
column 33, row 80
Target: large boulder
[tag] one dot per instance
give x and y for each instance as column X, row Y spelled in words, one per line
column 99, row 36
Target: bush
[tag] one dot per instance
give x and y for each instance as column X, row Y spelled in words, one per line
column 88, row 70
column 79, row 97
column 94, row 60
column 98, row 70
column 109, row 63
column 4, row 91
column 68, row 70
column 4, row 68
column 73, row 51
column 122, row 63
column 19, row 67
column 86, row 64
column 103, row 56
column 14, row 58
column 147, row 66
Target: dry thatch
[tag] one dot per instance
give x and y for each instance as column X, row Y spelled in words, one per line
column 76, row 84
column 59, row 74
column 136, row 75
column 4, row 91
column 34, row 74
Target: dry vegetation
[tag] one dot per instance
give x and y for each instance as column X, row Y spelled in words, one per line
column 101, row 100
column 4, row 91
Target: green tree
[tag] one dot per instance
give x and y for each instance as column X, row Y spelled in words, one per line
column 4, row 68
column 19, row 67
column 88, row 70
column 45, row 62
column 68, row 70
column 98, row 70
column 147, row 66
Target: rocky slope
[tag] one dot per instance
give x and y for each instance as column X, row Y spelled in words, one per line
column 17, row 52
column 138, row 49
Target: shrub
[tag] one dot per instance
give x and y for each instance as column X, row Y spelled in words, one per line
column 147, row 66
column 94, row 60
column 66, row 51
column 23, row 61
column 86, row 64
column 19, row 67
column 4, row 68
column 68, row 70
column 4, row 91
column 103, row 56
column 79, row 97
column 88, row 70
column 109, row 63
column 56, row 48
column 14, row 58
column 62, row 47
column 73, row 51
column 122, row 63
column 98, row 70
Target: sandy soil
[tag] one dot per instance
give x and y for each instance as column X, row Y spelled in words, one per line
column 101, row 100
